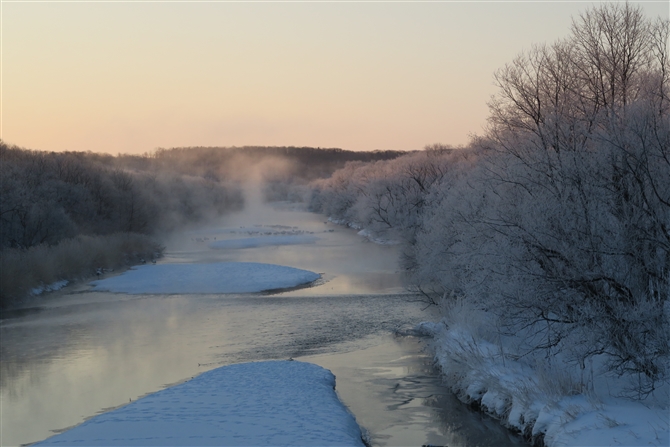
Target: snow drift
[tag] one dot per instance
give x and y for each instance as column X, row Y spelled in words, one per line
column 261, row 404
column 220, row 277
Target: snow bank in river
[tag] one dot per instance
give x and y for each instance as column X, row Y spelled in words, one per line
column 261, row 404
column 535, row 403
column 264, row 241
column 221, row 277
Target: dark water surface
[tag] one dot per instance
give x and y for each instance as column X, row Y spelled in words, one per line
column 76, row 353
column 398, row 396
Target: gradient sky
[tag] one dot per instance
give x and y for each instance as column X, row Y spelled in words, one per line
column 133, row 76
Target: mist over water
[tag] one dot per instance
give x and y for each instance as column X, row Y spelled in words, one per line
column 348, row 263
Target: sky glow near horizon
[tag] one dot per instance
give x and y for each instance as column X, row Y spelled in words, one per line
column 128, row 77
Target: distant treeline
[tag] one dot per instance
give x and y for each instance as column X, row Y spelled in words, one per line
column 213, row 162
column 49, row 196
column 283, row 171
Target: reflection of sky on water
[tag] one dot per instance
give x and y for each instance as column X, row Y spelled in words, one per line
column 396, row 394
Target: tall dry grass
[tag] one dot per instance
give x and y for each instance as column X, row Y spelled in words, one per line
column 71, row 259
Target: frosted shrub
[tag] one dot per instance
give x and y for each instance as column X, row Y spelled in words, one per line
column 557, row 380
column 461, row 313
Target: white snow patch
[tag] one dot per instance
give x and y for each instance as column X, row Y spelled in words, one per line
column 220, row 277
column 49, row 288
column 276, row 403
column 263, row 241
column 495, row 402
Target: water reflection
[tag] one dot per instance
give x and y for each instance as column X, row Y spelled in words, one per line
column 397, row 395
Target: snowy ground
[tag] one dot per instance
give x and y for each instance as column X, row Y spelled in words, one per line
column 276, row 403
column 219, row 277
column 543, row 404
column 263, row 241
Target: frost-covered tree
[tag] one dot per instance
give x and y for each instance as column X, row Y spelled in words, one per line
column 578, row 157
column 558, row 219
column 386, row 197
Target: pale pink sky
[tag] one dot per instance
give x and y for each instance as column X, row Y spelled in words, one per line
column 133, row 76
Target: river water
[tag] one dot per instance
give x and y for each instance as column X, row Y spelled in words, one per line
column 77, row 352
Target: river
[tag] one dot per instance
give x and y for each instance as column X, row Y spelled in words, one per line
column 77, row 352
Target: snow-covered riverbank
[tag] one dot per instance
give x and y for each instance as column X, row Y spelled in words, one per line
column 547, row 406
column 264, row 403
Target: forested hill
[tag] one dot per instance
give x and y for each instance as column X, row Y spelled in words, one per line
column 307, row 163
